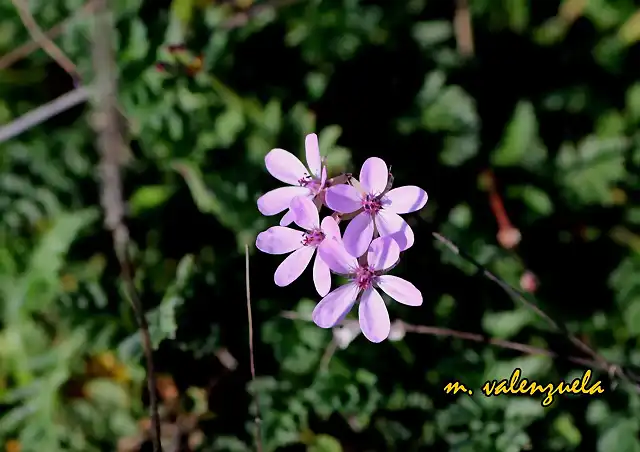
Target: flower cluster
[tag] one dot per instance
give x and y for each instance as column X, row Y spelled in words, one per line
column 370, row 247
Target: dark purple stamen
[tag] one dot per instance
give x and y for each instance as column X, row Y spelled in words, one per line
column 313, row 237
column 365, row 276
column 371, row 204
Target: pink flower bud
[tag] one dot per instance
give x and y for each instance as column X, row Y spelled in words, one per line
column 509, row 237
column 529, row 282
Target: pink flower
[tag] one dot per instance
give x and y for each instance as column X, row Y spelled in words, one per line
column 301, row 245
column 383, row 253
column 287, row 168
column 380, row 210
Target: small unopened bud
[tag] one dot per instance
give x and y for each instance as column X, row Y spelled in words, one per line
column 529, row 282
column 345, row 334
column 509, row 237
column 397, row 332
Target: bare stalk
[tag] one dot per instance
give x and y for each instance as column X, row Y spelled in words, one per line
column 113, row 152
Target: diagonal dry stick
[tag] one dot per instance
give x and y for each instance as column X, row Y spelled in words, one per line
column 614, row 370
column 41, row 39
column 113, row 151
column 74, row 97
column 31, row 46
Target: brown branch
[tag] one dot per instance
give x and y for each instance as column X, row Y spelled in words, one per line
column 520, row 297
column 78, row 95
column 463, row 28
column 41, row 39
column 113, row 151
column 475, row 337
column 516, row 346
column 252, row 364
column 31, row 46
column 44, row 112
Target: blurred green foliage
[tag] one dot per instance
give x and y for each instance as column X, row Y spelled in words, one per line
column 550, row 102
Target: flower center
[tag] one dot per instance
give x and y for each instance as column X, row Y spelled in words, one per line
column 310, row 182
column 365, row 277
column 313, row 237
column 371, row 204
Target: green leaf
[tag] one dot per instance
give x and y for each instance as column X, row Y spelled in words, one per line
column 504, row 325
column 452, row 111
column 149, row 197
column 632, row 317
column 520, row 144
column 328, row 137
column 536, row 199
column 325, row 443
column 590, row 171
column 633, row 103
column 429, row 34
column 458, row 149
column 138, row 42
column 42, row 274
column 518, row 11
column 107, row 393
column 460, row 216
column 205, row 200
column 565, row 426
column 183, row 10
column 162, row 320
column 228, row 126
column 621, row 437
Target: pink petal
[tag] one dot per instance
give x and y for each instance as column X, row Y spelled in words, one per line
column 284, row 166
column 292, row 267
column 330, row 228
column 313, row 154
column 400, row 290
column 321, row 276
column 374, row 175
column 336, row 257
column 392, row 224
column 383, row 253
column 287, row 219
column 406, row 199
column 343, row 198
column 279, row 240
column 335, row 306
column 357, row 237
column 374, row 317
column 275, row 201
column 305, row 213
column 323, row 177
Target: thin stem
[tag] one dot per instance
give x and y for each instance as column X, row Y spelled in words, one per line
column 519, row 296
column 473, row 337
column 31, row 46
column 44, row 112
column 79, row 95
column 258, row 436
column 43, row 40
column 112, row 149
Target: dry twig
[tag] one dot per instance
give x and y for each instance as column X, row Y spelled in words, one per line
column 79, row 95
column 42, row 40
column 31, row 46
column 44, row 112
column 519, row 296
column 113, row 151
